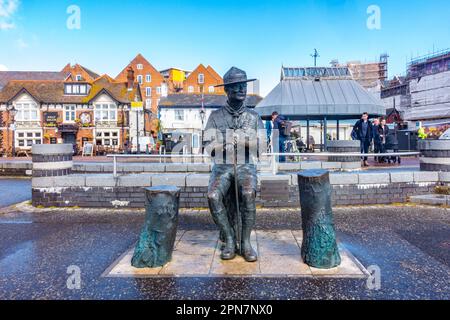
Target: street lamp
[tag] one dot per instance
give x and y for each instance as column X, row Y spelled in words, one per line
column 12, row 113
column 202, row 117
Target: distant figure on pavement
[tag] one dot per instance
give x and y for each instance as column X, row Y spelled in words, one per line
column 279, row 124
column 382, row 131
column 363, row 131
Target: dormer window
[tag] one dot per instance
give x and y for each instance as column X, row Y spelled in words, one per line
column 81, row 89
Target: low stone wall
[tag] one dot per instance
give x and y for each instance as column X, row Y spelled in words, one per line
column 16, row 168
column 24, row 168
column 103, row 190
column 435, row 155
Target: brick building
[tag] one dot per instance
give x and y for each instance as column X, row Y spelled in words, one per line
column 67, row 111
column 77, row 72
column 203, row 80
column 150, row 80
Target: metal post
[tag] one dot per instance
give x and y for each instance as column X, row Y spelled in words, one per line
column 274, row 163
column 321, row 135
column 307, row 133
column 114, row 166
column 337, row 129
column 325, row 140
column 137, row 132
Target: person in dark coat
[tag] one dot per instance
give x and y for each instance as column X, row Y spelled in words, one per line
column 382, row 131
column 363, row 131
column 376, row 143
column 278, row 124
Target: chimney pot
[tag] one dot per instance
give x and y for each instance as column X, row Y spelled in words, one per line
column 130, row 78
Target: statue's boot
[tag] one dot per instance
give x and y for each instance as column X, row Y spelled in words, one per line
column 229, row 248
column 248, row 252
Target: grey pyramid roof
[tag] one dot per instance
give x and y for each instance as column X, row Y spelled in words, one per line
column 318, row 94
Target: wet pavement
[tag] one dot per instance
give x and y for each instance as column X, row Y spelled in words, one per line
column 410, row 245
column 13, row 190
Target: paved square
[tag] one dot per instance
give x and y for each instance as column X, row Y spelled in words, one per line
column 197, row 254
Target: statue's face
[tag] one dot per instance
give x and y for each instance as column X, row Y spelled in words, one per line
column 236, row 92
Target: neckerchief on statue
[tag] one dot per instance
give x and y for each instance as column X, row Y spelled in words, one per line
column 235, row 113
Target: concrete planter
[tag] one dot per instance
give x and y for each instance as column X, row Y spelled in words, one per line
column 345, row 146
column 52, row 160
column 435, row 155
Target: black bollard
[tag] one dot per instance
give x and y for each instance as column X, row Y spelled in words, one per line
column 319, row 247
column 157, row 239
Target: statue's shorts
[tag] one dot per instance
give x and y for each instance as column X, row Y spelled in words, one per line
column 222, row 178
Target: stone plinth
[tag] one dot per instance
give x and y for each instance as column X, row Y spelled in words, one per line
column 52, row 160
column 435, row 155
column 345, row 146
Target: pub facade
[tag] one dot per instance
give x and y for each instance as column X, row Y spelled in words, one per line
column 50, row 112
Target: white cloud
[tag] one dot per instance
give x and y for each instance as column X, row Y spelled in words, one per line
column 7, row 10
column 21, row 44
column 3, row 67
column 6, row 25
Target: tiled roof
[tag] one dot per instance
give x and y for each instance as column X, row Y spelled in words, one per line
column 6, row 76
column 53, row 91
column 209, row 100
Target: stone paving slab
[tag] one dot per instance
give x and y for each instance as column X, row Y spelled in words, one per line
column 197, row 254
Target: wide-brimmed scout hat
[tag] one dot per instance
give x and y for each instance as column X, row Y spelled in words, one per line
column 234, row 75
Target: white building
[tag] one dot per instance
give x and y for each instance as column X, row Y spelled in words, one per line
column 182, row 114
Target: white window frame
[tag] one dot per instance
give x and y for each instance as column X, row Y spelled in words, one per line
column 211, row 89
column 148, row 77
column 26, row 111
column 179, row 115
column 139, row 66
column 148, row 91
column 103, row 112
column 70, row 110
column 191, row 89
column 107, row 138
column 22, row 139
column 201, row 78
column 148, row 103
column 158, row 90
column 139, row 79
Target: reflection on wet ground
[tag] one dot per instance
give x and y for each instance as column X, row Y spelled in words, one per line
column 410, row 245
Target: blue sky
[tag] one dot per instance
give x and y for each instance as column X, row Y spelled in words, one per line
column 258, row 36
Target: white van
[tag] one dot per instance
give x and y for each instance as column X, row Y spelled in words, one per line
column 145, row 144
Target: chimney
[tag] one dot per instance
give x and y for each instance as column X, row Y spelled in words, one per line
column 130, row 78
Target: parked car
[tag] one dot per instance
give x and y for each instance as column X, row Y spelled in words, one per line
column 146, row 144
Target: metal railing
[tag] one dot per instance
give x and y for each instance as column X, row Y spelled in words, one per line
column 161, row 157
column 273, row 155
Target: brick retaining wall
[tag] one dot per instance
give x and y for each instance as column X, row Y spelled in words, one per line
column 127, row 191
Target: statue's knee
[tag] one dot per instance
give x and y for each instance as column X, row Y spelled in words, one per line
column 248, row 195
column 214, row 196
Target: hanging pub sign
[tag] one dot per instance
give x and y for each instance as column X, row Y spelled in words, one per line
column 50, row 118
column 85, row 119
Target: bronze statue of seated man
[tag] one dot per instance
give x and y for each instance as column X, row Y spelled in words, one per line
column 233, row 134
